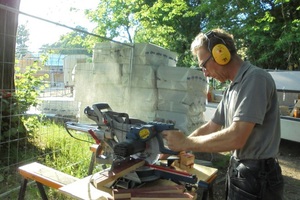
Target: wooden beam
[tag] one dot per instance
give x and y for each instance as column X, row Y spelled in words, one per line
column 105, row 177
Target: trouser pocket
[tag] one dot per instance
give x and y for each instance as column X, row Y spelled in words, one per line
column 237, row 193
column 243, row 185
column 251, row 182
column 240, row 188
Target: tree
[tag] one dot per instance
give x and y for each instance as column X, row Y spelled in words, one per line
column 22, row 39
column 115, row 19
column 70, row 43
column 170, row 24
column 8, row 31
column 267, row 31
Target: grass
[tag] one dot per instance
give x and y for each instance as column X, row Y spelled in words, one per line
column 51, row 146
column 221, row 160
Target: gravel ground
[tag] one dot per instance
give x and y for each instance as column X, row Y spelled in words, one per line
column 289, row 159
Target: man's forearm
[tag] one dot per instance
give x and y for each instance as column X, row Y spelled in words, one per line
column 205, row 129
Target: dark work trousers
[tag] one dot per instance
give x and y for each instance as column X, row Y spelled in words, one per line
column 254, row 179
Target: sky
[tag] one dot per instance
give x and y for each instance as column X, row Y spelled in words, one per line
column 41, row 32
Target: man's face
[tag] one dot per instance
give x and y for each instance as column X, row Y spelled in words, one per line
column 208, row 66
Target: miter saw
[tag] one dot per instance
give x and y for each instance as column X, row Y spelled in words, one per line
column 123, row 140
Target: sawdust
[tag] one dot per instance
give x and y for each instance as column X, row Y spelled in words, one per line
column 289, row 159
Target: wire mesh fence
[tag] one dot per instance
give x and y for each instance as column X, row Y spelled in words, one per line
column 26, row 131
column 55, row 104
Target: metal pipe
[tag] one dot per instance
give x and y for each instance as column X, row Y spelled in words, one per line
column 59, row 24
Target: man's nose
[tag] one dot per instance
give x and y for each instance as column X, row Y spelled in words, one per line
column 205, row 72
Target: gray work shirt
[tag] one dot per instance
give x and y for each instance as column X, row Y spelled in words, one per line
column 252, row 97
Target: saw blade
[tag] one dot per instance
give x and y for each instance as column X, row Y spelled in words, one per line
column 151, row 153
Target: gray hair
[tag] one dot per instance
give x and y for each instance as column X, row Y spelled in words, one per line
column 202, row 40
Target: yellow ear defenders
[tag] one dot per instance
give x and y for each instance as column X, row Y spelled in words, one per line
column 218, row 49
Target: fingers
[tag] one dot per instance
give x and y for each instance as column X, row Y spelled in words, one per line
column 163, row 156
column 165, row 134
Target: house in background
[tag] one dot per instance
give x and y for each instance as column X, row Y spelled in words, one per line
column 53, row 67
column 55, row 64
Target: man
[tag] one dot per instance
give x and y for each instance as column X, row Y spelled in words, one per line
column 246, row 122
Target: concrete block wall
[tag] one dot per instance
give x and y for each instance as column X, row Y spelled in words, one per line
column 153, row 88
column 59, row 107
column 144, row 54
column 181, row 96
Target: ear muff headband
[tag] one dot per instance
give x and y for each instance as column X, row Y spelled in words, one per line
column 219, row 51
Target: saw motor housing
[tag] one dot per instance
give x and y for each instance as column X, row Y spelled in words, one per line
column 138, row 136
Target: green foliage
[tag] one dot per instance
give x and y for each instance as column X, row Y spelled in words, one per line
column 217, row 85
column 169, row 24
column 66, row 153
column 115, row 19
column 29, row 86
column 53, row 147
column 73, row 42
column 267, row 32
column 10, row 122
column 14, row 105
column 172, row 25
column 22, row 39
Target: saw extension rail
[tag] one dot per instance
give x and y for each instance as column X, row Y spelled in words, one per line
column 93, row 130
column 102, row 153
column 79, row 127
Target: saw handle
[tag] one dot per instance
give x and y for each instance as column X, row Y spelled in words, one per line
column 162, row 147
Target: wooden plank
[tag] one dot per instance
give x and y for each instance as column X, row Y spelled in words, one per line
column 202, row 172
column 127, row 193
column 93, row 148
column 84, row 189
column 153, row 189
column 46, row 175
column 212, row 178
column 106, row 177
column 161, row 196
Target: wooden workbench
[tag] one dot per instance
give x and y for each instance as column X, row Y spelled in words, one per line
column 84, row 189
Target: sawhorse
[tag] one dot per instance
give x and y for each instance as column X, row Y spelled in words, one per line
column 43, row 175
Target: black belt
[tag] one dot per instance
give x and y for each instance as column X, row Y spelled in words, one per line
column 256, row 164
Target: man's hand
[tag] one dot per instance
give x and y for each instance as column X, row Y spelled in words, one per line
column 176, row 139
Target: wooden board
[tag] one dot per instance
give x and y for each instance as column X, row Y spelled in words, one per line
column 46, row 175
column 84, row 189
column 105, row 177
column 154, row 190
column 202, row 172
column 160, row 196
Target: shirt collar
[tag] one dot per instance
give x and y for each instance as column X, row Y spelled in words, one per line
column 238, row 78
